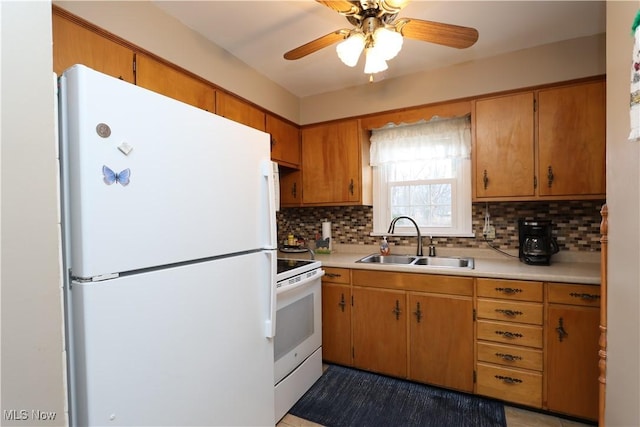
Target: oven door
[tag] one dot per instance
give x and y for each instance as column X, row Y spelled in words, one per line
column 298, row 324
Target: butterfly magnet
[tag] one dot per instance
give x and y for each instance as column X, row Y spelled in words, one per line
column 111, row 177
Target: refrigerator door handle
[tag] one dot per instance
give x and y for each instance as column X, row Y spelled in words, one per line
column 270, row 323
column 267, row 170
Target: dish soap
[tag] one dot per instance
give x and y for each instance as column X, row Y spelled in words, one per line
column 384, row 247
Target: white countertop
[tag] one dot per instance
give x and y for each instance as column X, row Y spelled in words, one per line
column 581, row 268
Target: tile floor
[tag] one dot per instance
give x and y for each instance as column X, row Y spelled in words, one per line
column 516, row 417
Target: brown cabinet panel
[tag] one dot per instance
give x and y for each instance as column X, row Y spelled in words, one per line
column 161, row 78
column 336, row 323
column 291, row 188
column 504, row 146
column 441, row 340
column 572, row 360
column 571, row 140
column 74, row 44
column 335, row 165
column 285, row 141
column 239, row 111
column 380, row 331
column 512, row 385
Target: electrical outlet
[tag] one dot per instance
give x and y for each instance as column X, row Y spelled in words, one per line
column 490, row 233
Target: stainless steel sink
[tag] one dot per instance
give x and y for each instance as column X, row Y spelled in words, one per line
column 450, row 262
column 388, row 259
column 455, row 262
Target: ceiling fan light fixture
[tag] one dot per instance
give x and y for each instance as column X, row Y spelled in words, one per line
column 349, row 49
column 375, row 62
column 389, row 42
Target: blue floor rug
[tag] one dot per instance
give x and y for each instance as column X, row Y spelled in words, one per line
column 350, row 397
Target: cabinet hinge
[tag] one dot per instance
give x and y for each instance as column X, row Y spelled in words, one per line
column 353, row 353
column 351, row 300
column 535, row 182
column 134, row 64
column 475, row 376
column 474, row 314
column 535, row 105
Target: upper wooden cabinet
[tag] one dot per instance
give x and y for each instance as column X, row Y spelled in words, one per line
column 239, row 111
column 504, row 150
column 161, row 78
column 285, row 141
column 75, row 44
column 541, row 145
column 571, row 140
column 290, row 188
column 335, row 165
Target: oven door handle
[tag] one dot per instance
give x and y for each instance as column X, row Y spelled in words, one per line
column 302, row 282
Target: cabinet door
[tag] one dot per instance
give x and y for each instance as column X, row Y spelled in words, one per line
column 161, row 78
column 336, row 323
column 504, row 146
column 74, row 44
column 285, row 141
column 331, row 163
column 571, row 140
column 290, row 188
column 441, row 340
column 380, row 331
column 572, row 360
column 239, row 111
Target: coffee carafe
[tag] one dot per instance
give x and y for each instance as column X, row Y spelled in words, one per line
column 536, row 241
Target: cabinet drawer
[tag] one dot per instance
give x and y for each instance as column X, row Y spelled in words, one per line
column 336, row 275
column 508, row 355
column 521, row 312
column 563, row 293
column 510, row 333
column 510, row 289
column 512, row 385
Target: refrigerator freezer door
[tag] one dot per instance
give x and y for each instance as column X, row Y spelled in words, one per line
column 151, row 181
column 181, row 346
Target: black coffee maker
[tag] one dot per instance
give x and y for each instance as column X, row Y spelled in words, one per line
column 536, row 242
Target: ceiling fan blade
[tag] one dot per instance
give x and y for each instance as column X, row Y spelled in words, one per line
column 343, row 7
column 317, row 44
column 437, row 32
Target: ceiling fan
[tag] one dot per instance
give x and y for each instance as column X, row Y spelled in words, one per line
column 379, row 34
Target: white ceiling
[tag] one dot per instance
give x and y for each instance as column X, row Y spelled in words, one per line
column 260, row 32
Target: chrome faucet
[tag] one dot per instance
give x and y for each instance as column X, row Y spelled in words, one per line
column 392, row 227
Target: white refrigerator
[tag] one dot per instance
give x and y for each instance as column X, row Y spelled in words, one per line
column 168, row 223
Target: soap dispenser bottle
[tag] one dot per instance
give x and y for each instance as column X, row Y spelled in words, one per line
column 384, row 247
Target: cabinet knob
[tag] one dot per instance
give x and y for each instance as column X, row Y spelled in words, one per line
column 508, row 380
column 351, row 187
column 510, row 313
column 342, row 303
column 585, row 296
column 508, row 291
column 418, row 313
column 560, row 330
column 397, row 310
column 509, row 357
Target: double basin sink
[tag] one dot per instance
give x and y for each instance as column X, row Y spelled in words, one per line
column 451, row 262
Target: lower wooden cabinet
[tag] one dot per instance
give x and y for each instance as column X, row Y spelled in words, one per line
column 380, row 331
column 573, row 319
column 336, row 316
column 441, row 340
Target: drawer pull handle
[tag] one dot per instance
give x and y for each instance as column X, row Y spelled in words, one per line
column 508, row 380
column 584, row 296
column 509, row 291
column 509, row 335
column 560, row 330
column 485, row 179
column 333, row 275
column 510, row 313
column 397, row 310
column 509, row 357
column 342, row 303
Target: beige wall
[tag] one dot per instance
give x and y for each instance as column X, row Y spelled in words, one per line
column 32, row 338
column 623, row 200
column 567, row 60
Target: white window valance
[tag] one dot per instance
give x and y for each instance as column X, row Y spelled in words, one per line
column 435, row 139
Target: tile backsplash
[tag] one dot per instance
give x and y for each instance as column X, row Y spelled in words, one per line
column 576, row 224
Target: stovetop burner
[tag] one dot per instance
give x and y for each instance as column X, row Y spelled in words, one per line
column 291, row 264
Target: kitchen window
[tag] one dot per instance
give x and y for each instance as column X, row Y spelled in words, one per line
column 423, row 170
